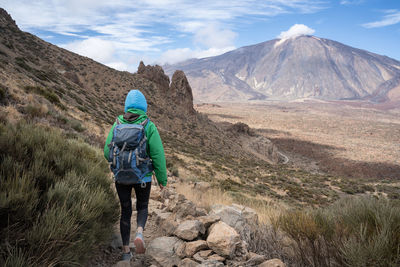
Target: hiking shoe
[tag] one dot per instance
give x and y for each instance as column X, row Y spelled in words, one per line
column 126, row 256
column 139, row 244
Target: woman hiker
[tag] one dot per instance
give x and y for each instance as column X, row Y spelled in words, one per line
column 135, row 114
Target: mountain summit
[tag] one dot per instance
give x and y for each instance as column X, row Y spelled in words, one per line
column 287, row 69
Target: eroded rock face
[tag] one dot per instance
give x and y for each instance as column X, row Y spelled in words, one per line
column 163, row 250
column 181, row 91
column 155, row 74
column 223, row 239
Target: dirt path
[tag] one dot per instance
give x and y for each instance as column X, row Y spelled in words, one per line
column 108, row 256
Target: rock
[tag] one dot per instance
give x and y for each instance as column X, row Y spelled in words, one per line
column 241, row 252
column 155, row 194
column 155, row 74
column 169, row 225
column 160, row 215
column 185, row 209
column 202, row 186
column 199, row 258
column 180, row 250
column 116, row 241
column 201, row 212
column 181, row 92
column 216, row 257
column 241, row 128
column 254, row 259
column 211, row 263
column 163, row 250
column 223, row 239
column 123, row 264
column 195, row 246
column 189, row 230
column 272, row 263
column 236, row 216
column 208, row 220
column 205, row 253
column 166, row 193
column 188, row 263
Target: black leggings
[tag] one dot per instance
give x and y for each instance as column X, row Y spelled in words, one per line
column 142, row 202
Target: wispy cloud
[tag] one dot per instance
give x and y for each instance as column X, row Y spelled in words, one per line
column 136, row 26
column 392, row 17
column 351, row 2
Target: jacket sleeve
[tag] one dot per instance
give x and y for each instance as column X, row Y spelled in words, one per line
column 156, row 153
column 108, row 141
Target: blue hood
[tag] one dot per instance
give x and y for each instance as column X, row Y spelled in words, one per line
column 135, row 99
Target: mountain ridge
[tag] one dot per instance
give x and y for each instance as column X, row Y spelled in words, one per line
column 289, row 69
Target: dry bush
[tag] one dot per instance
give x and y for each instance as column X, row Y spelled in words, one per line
column 353, row 232
column 204, row 199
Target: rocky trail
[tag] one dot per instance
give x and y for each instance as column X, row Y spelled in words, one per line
column 178, row 233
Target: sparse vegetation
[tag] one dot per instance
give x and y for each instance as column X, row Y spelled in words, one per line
column 361, row 231
column 56, row 203
column 47, row 93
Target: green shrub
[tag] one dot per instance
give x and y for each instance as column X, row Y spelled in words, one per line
column 46, row 93
column 353, row 232
column 56, row 203
column 76, row 125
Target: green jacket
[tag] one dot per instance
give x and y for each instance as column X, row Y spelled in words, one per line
column 155, row 148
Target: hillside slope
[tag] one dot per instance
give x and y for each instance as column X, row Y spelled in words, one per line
column 50, row 86
column 301, row 67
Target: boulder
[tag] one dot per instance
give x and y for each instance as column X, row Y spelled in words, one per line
column 189, row 230
column 236, row 216
column 169, row 225
column 185, row 209
column 195, row 246
column 163, row 250
column 208, row 220
column 223, row 239
column 272, row 263
column 188, row 263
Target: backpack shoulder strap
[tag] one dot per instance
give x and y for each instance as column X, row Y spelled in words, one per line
column 144, row 123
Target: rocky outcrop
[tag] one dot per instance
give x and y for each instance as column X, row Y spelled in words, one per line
column 6, row 20
column 181, row 91
column 155, row 74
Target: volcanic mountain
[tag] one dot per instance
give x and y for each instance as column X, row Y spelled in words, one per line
column 287, row 69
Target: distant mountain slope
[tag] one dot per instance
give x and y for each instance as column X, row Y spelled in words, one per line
column 302, row 67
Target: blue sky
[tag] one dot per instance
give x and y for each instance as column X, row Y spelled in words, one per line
column 120, row 33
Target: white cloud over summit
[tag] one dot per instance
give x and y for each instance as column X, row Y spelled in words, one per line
column 296, row 30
